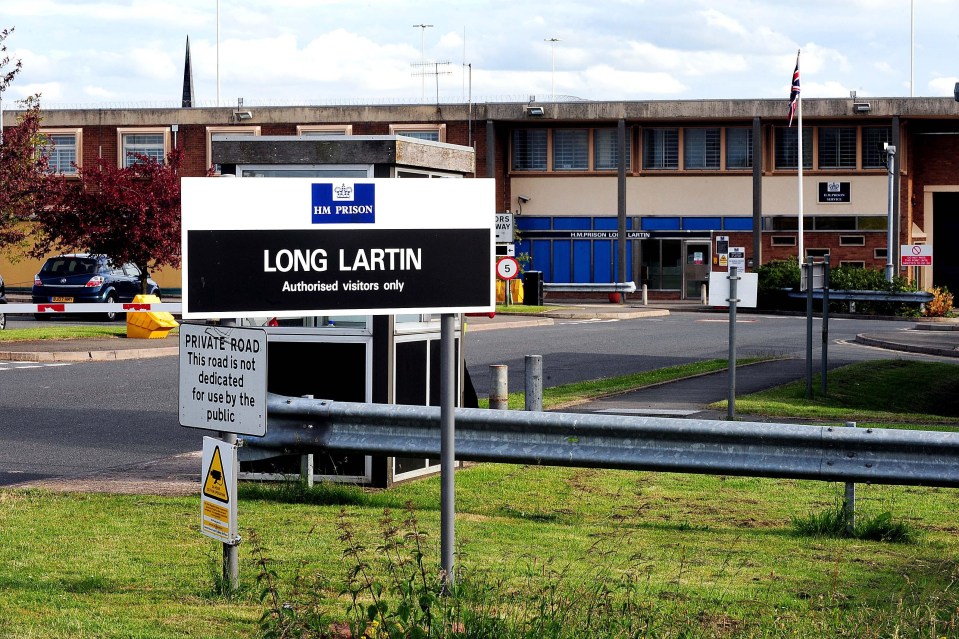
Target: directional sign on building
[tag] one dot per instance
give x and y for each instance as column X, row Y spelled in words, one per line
column 288, row 247
column 223, row 378
column 218, row 492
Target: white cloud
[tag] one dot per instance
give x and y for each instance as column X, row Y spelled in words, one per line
column 943, row 86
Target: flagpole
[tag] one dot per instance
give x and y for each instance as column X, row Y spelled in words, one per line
column 800, row 166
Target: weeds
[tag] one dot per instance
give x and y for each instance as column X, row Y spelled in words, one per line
column 832, row 523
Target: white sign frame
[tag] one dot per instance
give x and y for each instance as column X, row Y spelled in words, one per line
column 222, row 378
column 271, row 209
column 915, row 255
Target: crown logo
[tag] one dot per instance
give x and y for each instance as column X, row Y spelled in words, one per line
column 344, row 192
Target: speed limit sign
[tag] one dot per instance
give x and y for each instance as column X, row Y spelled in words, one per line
column 507, row 268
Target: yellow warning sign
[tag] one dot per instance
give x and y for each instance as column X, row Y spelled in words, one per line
column 723, row 260
column 214, row 486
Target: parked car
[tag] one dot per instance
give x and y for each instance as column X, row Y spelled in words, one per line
column 3, row 300
column 85, row 278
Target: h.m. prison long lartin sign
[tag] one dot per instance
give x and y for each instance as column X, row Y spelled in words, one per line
column 285, row 247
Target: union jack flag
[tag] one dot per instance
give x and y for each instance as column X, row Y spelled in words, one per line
column 794, row 93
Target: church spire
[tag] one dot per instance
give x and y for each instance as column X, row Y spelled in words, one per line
column 187, row 78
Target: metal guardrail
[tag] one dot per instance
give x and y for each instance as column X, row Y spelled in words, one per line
column 587, row 287
column 754, row 449
column 906, row 297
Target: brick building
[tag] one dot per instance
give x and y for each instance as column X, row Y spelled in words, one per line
column 692, row 171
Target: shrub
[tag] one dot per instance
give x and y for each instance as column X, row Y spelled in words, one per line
column 777, row 275
column 941, row 304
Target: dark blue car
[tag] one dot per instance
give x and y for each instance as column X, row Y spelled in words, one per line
column 87, row 279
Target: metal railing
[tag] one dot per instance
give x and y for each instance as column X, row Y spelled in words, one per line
column 906, row 297
column 589, row 287
column 755, row 449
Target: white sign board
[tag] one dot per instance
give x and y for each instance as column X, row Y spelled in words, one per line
column 747, row 289
column 916, row 255
column 504, row 228
column 737, row 258
column 218, row 491
column 223, row 378
column 289, row 247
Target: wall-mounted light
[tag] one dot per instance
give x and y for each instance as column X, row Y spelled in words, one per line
column 861, row 107
column 535, row 111
column 243, row 115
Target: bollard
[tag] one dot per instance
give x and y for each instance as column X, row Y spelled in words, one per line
column 498, row 388
column 645, row 295
column 703, row 295
column 534, row 383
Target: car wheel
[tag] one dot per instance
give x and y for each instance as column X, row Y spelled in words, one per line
column 111, row 316
column 3, row 321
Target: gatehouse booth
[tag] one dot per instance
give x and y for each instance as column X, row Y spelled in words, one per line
column 369, row 358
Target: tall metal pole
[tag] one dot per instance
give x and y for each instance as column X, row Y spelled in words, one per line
column 733, row 300
column 621, row 205
column 809, row 291
column 552, row 77
column 890, row 222
column 218, row 52
column 912, row 48
column 447, row 444
column 423, row 28
column 231, row 556
column 824, row 357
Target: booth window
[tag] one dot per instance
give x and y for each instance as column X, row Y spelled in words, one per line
column 318, row 130
column 224, row 130
column 428, row 132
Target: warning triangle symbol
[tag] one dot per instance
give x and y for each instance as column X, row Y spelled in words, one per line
column 214, row 486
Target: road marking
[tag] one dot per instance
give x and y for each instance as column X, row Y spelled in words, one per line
column 592, row 320
column 12, row 366
column 726, row 321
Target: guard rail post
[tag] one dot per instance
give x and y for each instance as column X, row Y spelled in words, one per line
column 534, row 383
column 498, row 387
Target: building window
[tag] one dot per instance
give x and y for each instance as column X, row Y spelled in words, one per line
column 837, row 147
column 661, row 148
column 429, row 132
column 833, row 223
column 701, row 148
column 873, row 152
column 219, row 131
column 570, row 150
column 529, row 150
column 817, row 252
column 313, row 130
column 606, row 149
column 852, row 264
column 739, row 148
column 787, row 152
column 879, row 253
column 133, row 144
column 783, row 240
column 852, row 240
column 62, row 150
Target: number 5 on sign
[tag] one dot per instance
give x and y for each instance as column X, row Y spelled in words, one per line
column 507, row 268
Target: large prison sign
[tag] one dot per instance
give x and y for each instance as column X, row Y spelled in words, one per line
column 286, row 247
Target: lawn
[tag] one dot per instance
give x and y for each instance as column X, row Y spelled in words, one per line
column 548, row 549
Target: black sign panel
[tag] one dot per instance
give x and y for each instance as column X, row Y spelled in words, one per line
column 312, row 271
column 834, row 193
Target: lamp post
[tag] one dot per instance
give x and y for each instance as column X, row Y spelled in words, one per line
column 423, row 28
column 552, row 77
column 891, row 172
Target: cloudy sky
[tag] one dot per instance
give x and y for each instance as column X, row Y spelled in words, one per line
column 85, row 53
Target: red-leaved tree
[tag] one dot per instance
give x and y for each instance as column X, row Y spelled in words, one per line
column 23, row 171
column 129, row 214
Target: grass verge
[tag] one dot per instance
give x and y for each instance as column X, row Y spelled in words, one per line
column 886, row 392
column 108, row 331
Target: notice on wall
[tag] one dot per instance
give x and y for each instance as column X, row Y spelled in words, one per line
column 223, row 378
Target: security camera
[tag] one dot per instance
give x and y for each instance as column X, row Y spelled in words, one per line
column 523, row 199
